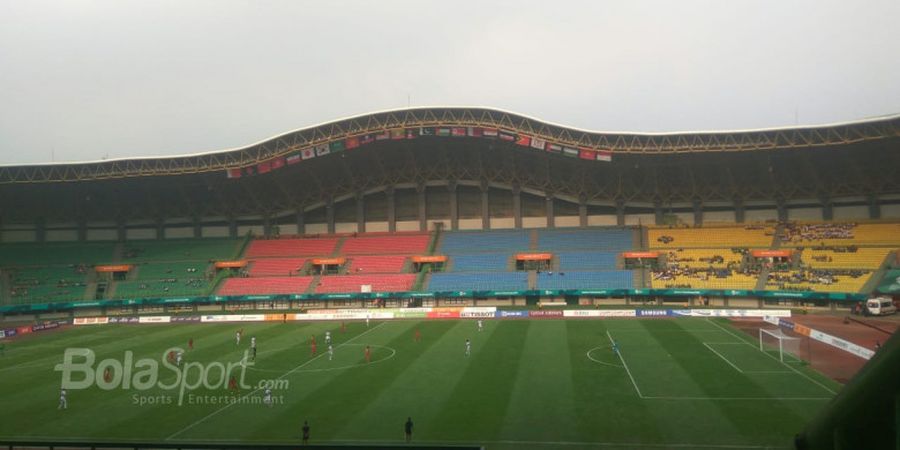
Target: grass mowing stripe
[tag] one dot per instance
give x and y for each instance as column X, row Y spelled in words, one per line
column 606, row 407
column 833, row 392
column 716, row 379
column 436, row 367
column 217, row 411
column 487, row 384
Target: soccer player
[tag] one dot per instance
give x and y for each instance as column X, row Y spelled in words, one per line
column 480, row 325
column 191, row 344
column 253, row 346
column 107, row 375
column 330, row 352
column 63, row 403
column 305, row 432
column 178, row 357
column 343, row 327
column 408, row 427
column 615, row 347
column 367, row 321
column 233, row 385
column 468, row 347
column 267, row 397
column 328, row 337
column 418, row 335
column 368, row 354
column 237, row 337
column 171, row 356
column 313, row 348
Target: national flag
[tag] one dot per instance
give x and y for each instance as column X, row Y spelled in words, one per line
column 322, row 150
column 351, row 142
column 250, row 170
column 570, row 152
column 336, row 146
column 233, row 173
column 277, row 163
column 367, row 139
column 524, row 141
column 458, row 131
column 398, row 133
column 383, row 135
column 443, row 132
column 507, row 136
column 476, row 131
column 426, row 131
column 604, row 156
column 307, row 153
column 556, row 148
column 538, row 143
column 490, row 132
column 264, row 167
column 587, row 154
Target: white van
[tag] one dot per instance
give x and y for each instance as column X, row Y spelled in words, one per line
column 880, row 306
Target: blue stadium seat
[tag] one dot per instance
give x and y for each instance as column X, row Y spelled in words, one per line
column 483, row 262
column 587, row 261
column 609, row 239
column 611, row 279
column 497, row 281
column 462, row 242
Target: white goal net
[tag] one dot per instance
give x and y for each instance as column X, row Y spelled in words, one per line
column 776, row 343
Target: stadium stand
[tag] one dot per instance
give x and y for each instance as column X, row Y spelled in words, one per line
column 261, row 248
column 271, row 285
column 353, row 283
column 586, row 261
column 757, row 235
column 704, row 279
column 376, row 264
column 494, row 281
column 612, row 279
column 463, row 242
column 47, row 283
column 387, row 244
column 275, row 267
column 180, row 250
column 480, row 262
column 611, row 239
column 56, row 253
column 839, row 234
column 818, row 280
column 859, row 258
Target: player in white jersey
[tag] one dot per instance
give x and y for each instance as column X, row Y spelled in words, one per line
column 480, row 325
column 267, row 398
column 328, row 337
column 330, row 352
column 237, row 338
column 367, row 321
column 63, row 403
column 253, row 347
column 468, row 347
column 178, row 357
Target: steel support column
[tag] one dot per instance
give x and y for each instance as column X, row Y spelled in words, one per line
column 698, row 212
column 551, row 215
column 620, row 213
column 485, row 207
column 360, row 213
column 454, row 205
column 582, row 211
column 874, row 207
column 391, row 208
column 423, row 219
column 301, row 221
column 232, row 227
column 517, row 205
column 739, row 211
column 329, row 214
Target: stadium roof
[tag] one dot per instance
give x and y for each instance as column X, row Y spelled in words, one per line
column 613, row 142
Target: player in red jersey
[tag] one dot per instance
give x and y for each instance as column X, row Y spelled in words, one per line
column 191, row 344
column 418, row 335
column 368, row 354
column 232, row 385
column 312, row 348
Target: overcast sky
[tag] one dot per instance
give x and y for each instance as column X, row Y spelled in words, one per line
column 83, row 80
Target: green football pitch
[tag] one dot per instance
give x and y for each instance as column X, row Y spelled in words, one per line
column 683, row 383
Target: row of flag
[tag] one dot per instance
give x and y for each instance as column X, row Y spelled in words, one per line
column 412, row 133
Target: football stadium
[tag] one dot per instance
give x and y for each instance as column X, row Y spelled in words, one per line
column 459, row 277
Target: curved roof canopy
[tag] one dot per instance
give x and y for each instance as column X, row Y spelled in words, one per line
column 459, row 122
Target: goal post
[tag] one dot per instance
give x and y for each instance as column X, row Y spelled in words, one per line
column 774, row 340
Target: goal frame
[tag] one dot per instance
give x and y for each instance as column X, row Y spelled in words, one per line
column 780, row 337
